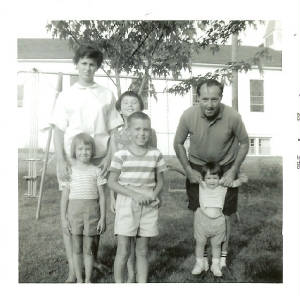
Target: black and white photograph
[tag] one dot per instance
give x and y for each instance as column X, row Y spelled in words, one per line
column 158, row 150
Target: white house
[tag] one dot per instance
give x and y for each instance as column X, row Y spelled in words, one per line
column 259, row 94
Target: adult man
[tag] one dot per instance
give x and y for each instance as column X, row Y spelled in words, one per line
column 217, row 134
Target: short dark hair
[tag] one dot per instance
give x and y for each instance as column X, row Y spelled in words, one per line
column 210, row 82
column 129, row 93
column 213, row 168
column 137, row 115
column 85, row 139
column 88, row 51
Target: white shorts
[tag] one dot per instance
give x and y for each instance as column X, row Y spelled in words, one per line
column 135, row 220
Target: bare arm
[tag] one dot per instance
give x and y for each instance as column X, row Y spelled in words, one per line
column 158, row 189
column 230, row 175
column 159, row 184
column 114, row 185
column 64, row 202
column 102, row 204
column 62, row 164
column 193, row 175
column 111, row 149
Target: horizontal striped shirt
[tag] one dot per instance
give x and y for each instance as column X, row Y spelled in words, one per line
column 138, row 170
column 84, row 182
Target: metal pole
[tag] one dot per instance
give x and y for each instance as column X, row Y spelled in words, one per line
column 45, row 164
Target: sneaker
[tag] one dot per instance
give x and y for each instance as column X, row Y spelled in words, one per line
column 198, row 268
column 216, row 270
column 223, row 262
column 205, row 261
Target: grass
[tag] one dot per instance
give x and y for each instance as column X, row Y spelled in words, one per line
column 255, row 248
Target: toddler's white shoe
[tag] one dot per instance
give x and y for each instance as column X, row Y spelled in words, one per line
column 223, row 262
column 198, row 268
column 215, row 268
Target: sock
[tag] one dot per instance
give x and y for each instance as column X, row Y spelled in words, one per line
column 223, row 258
column 224, row 254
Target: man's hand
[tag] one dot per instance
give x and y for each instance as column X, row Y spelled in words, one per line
column 193, row 175
column 228, row 177
column 101, row 227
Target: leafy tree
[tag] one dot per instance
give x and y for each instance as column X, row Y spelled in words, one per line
column 161, row 48
column 149, row 49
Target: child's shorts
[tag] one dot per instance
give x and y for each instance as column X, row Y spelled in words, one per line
column 135, row 220
column 84, row 215
column 206, row 227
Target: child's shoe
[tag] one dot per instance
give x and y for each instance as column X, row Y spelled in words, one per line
column 199, row 267
column 215, row 267
column 222, row 262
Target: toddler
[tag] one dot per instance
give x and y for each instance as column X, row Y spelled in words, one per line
column 209, row 221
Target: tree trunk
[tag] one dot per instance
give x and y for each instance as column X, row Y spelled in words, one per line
column 144, row 80
column 118, row 83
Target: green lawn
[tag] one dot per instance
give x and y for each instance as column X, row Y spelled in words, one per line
column 255, row 248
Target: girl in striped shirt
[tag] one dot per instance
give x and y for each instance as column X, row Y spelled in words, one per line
column 83, row 205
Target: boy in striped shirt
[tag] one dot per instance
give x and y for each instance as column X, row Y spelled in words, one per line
column 136, row 175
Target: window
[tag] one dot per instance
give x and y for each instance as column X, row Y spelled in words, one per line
column 256, row 95
column 259, row 146
column 264, row 147
column 20, row 94
column 251, row 146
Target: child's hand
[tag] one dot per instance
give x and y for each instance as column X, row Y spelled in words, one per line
column 66, row 225
column 101, row 227
column 144, row 200
column 156, row 202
